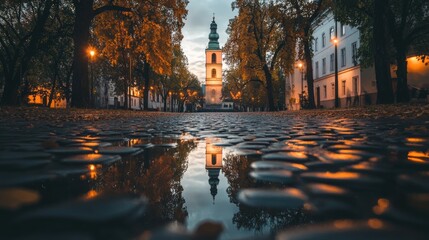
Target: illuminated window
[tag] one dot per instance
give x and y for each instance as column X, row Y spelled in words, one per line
column 213, row 57
column 213, row 73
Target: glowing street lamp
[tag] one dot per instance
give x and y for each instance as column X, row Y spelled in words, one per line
column 301, row 69
column 92, row 53
column 336, row 42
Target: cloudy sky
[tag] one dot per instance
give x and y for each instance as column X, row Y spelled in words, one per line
column 197, row 29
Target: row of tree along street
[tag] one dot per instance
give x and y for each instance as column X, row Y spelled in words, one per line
column 47, row 45
column 267, row 37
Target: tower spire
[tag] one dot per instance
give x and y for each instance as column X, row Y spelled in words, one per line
column 213, row 36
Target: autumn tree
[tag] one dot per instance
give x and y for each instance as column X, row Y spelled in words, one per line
column 188, row 88
column 306, row 14
column 142, row 39
column 261, row 39
column 85, row 12
column 166, row 84
column 22, row 28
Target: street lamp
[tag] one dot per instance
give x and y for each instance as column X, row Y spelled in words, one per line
column 91, row 56
column 335, row 42
column 301, row 69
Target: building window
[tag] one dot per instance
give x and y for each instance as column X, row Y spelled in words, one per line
column 213, row 92
column 213, row 57
column 332, row 90
column 325, row 91
column 213, row 73
column 213, row 159
column 323, row 40
column 343, row 30
column 343, row 87
column 331, row 33
column 354, row 53
column 315, row 44
column 355, row 86
column 317, row 70
column 324, row 66
column 331, row 62
column 343, row 57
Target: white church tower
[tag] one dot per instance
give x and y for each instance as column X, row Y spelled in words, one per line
column 213, row 93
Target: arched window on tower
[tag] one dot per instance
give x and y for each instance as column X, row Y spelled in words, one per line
column 213, row 57
column 213, row 73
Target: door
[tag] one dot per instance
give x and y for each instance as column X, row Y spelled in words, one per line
column 318, row 97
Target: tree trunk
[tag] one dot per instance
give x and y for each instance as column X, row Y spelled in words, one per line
column 52, row 93
column 382, row 68
column 165, row 103
column 309, row 70
column 269, row 88
column 126, row 102
column 402, row 94
column 146, row 73
column 10, row 91
column 80, row 82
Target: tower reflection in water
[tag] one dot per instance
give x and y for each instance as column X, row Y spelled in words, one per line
column 213, row 165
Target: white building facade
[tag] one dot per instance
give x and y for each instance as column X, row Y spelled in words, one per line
column 356, row 85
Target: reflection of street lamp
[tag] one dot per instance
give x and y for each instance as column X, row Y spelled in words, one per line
column 335, row 42
column 92, row 55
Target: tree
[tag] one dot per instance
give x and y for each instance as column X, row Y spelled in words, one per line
column 22, row 27
column 408, row 24
column 167, row 83
column 144, row 38
column 373, row 18
column 261, row 39
column 84, row 15
column 307, row 13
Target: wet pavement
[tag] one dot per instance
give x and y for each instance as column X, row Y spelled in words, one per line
column 262, row 175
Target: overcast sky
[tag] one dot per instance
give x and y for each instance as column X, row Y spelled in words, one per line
column 197, row 29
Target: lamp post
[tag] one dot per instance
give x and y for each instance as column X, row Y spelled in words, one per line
column 335, row 42
column 91, row 96
column 129, row 85
column 301, row 97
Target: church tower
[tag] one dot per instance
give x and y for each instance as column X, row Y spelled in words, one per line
column 213, row 93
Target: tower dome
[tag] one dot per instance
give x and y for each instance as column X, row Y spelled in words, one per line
column 213, row 36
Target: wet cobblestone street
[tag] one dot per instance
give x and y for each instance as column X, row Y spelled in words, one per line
column 324, row 175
